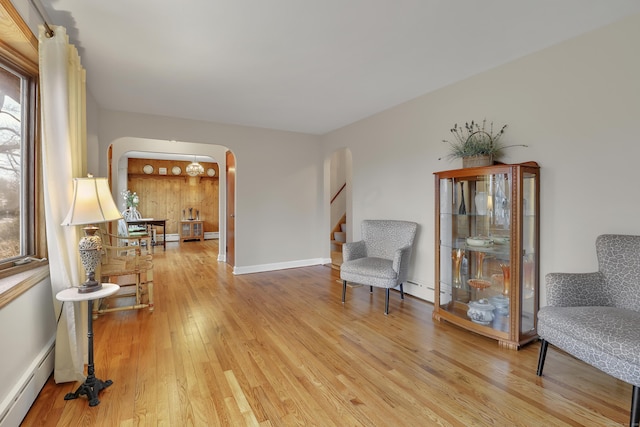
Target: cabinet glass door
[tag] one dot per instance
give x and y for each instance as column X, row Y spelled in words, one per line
column 475, row 236
column 186, row 229
column 529, row 259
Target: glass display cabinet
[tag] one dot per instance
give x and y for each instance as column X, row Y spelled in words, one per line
column 191, row 230
column 487, row 250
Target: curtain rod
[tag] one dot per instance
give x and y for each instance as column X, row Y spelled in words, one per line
column 48, row 30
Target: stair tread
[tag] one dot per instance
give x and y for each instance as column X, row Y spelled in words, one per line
column 338, row 238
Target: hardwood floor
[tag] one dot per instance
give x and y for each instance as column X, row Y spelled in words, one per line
column 279, row 349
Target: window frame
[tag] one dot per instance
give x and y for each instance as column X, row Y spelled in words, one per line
column 28, row 125
column 19, row 53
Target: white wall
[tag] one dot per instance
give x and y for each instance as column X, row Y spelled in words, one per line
column 27, row 334
column 93, row 165
column 577, row 106
column 279, row 185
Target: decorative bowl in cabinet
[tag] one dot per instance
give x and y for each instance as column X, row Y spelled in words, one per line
column 480, row 311
column 479, row 241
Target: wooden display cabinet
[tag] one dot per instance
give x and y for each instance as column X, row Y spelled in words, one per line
column 487, row 250
column 191, row 230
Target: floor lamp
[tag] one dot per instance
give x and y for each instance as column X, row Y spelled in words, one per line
column 92, row 204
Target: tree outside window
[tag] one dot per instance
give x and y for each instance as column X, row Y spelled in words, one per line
column 11, row 168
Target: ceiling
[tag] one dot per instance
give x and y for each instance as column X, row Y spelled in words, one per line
column 304, row 65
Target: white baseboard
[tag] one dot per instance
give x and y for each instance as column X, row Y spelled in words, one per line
column 208, row 235
column 280, row 265
column 419, row 290
column 16, row 405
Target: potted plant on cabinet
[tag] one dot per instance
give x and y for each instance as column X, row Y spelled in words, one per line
column 476, row 144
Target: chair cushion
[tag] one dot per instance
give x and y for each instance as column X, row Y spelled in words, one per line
column 370, row 271
column 605, row 337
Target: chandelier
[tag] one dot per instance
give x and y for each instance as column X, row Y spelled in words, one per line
column 194, row 168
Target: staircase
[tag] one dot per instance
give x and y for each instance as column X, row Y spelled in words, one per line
column 338, row 238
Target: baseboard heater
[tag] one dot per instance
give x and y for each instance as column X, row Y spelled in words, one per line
column 419, row 285
column 17, row 403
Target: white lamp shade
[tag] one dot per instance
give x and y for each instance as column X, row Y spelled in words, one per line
column 92, row 203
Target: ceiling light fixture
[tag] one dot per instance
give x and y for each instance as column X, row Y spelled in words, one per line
column 194, row 168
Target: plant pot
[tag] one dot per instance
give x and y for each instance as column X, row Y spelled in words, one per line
column 477, row 161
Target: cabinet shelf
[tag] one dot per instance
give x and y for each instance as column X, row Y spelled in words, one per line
column 500, row 202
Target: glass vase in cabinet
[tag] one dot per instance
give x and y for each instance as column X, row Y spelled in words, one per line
column 487, row 250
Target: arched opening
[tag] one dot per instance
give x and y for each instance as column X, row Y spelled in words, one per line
column 179, row 154
column 340, row 203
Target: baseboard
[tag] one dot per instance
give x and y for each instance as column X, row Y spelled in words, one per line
column 280, row 265
column 419, row 290
column 16, row 405
column 208, row 235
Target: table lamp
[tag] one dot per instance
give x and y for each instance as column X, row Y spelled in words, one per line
column 92, row 204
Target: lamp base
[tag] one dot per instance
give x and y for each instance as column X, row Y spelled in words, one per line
column 90, row 253
column 89, row 286
column 90, row 388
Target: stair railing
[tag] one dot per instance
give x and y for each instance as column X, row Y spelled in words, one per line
column 338, row 193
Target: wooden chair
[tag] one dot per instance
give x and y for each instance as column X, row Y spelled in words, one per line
column 127, row 236
column 131, row 267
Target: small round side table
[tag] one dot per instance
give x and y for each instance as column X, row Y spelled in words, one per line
column 92, row 385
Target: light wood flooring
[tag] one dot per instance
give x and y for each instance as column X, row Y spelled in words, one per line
column 279, row 349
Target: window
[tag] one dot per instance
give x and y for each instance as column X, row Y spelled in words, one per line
column 17, row 198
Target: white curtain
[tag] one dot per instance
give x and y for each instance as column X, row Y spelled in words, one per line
column 63, row 116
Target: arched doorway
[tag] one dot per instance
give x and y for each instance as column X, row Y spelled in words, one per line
column 230, row 249
column 340, row 203
column 118, row 158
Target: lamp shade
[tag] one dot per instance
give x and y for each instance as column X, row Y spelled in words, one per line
column 92, row 203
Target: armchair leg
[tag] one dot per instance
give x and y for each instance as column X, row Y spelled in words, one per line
column 401, row 291
column 344, row 290
column 635, row 407
column 370, row 289
column 386, row 301
column 544, row 344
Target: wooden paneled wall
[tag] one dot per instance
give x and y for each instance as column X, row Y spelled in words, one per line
column 165, row 195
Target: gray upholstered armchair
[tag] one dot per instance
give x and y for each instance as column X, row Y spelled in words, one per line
column 596, row 316
column 381, row 258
